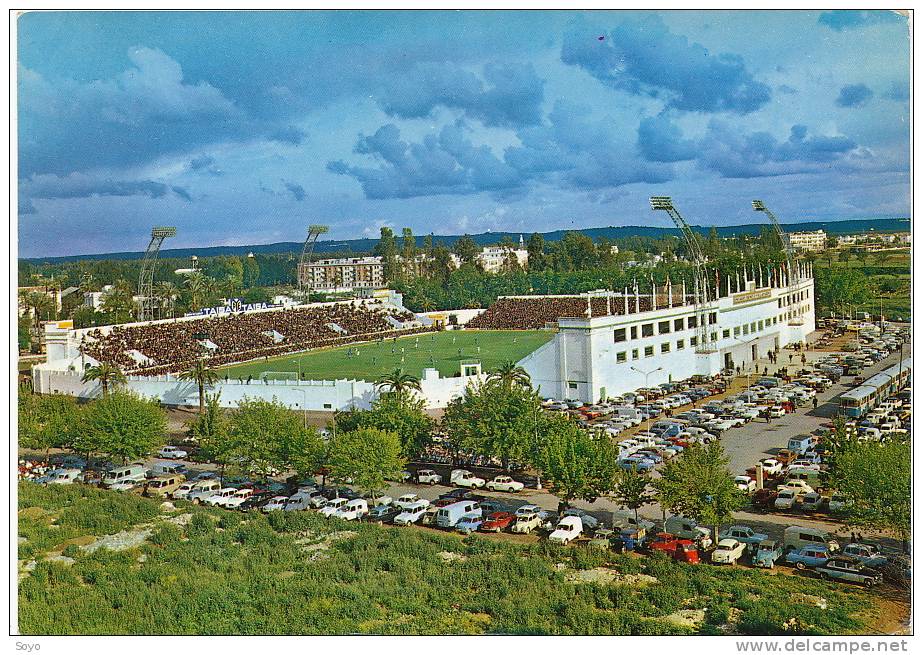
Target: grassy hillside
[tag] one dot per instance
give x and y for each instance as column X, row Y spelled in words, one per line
column 205, row 571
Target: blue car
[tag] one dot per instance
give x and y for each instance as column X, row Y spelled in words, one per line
column 808, row 557
column 868, row 554
column 639, row 464
column 469, row 524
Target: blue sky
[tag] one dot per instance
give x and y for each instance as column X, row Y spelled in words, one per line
column 245, row 127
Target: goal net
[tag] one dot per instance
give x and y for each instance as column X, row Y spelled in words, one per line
column 287, row 376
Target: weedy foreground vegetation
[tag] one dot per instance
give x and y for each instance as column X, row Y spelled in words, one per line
column 207, row 571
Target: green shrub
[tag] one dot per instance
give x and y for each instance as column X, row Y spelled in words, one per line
column 72, row 551
column 166, row 534
column 229, row 520
column 200, row 524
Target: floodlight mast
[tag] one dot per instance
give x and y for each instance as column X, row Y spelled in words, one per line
column 790, row 257
column 314, row 231
column 146, row 278
column 700, row 281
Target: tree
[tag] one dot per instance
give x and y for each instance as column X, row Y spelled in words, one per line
column 838, row 289
column 699, row 485
column 466, row 249
column 876, row 480
column 212, row 433
column 630, row 489
column 576, row 465
column 398, row 383
column 24, row 332
column 509, row 374
column 167, row 294
column 405, row 418
column 203, row 376
column 409, row 253
column 536, row 250
column 119, row 302
column 367, row 456
column 387, row 250
column 47, row 422
column 272, row 438
column 124, row 426
column 106, row 374
column 495, row 421
column 197, row 285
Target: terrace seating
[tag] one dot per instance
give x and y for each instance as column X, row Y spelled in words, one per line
column 523, row 313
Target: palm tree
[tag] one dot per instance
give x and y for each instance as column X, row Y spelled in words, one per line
column 204, row 376
column 119, row 301
column 427, row 305
column 106, row 373
column 398, row 382
column 509, row 374
column 196, row 283
column 167, row 294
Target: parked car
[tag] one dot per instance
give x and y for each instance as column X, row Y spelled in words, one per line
column 428, row 476
column 682, row 550
column 807, row 557
column 353, row 510
column 745, row 483
column 868, row 554
column 470, row 523
column 382, row 514
column 450, row 515
column 568, row 529
column 497, row 522
column 685, row 528
column 728, row 551
column 332, row 506
column 172, row 452
column 163, row 485
column 61, row 476
column 631, row 538
column 785, row 499
column 505, row 483
column 799, row 486
column 467, row 479
column 526, row 523
column 849, row 569
column 202, row 490
column 256, row 501
column 588, row 521
column 812, row 502
column 768, row 552
column 218, row 497
column 407, row 500
column 411, row 514
column 134, row 472
column 797, row 536
column 744, row 534
column 276, row 503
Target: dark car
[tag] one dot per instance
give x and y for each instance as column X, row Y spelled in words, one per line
column 496, row 521
column 490, row 505
column 461, row 494
column 338, row 492
column 382, row 514
column 256, row 501
column 849, row 569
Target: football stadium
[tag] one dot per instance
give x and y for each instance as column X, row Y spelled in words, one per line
column 327, row 356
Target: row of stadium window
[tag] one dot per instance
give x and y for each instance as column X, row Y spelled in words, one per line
column 663, row 327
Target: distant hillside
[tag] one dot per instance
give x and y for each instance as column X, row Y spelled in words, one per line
column 366, row 245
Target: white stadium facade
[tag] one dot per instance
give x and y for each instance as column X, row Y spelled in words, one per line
column 592, row 357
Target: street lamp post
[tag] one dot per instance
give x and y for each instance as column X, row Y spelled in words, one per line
column 647, row 375
column 747, row 343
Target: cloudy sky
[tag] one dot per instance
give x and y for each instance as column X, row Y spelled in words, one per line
column 244, row 128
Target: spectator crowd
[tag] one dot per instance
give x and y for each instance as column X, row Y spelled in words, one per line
column 525, row 313
column 171, row 347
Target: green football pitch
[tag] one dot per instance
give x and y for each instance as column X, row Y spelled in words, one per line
column 368, row 361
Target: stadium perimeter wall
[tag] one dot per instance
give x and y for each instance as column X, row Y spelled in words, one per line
column 312, row 395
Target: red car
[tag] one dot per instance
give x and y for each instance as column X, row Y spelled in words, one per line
column 764, row 498
column 682, row 550
column 497, row 522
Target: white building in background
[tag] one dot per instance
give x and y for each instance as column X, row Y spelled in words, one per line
column 345, row 274
column 809, row 241
column 594, row 357
column 94, row 299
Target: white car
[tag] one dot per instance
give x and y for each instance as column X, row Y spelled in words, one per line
column 124, row 485
column 203, row 490
column 353, row 510
column 466, row 479
column 799, row 486
column 745, row 483
column 218, row 498
column 411, row 514
column 568, row 529
column 771, row 466
column 172, row 452
column 332, row 506
column 776, row 411
column 728, row 551
column 408, row 500
column 275, row 504
column 785, row 499
column 428, row 476
column 505, row 483
column 184, row 490
column 237, row 499
column 586, row 520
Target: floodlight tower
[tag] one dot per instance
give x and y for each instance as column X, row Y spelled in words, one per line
column 314, row 231
column 793, row 276
column 146, row 278
column 700, row 293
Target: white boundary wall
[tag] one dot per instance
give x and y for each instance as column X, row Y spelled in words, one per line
column 314, row 395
